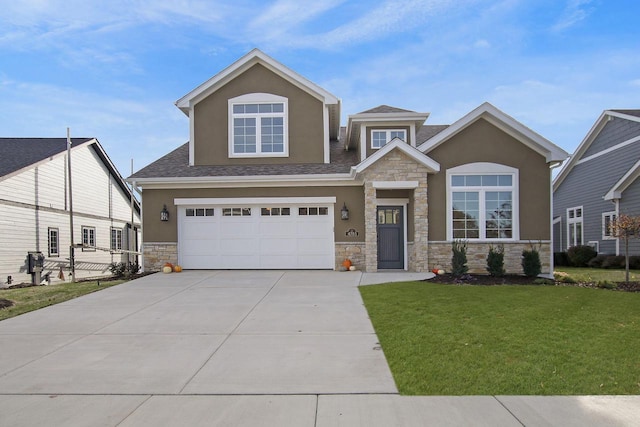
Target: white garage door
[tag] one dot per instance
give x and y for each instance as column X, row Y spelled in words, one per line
column 256, row 234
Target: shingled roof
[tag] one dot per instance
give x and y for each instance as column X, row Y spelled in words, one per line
column 176, row 165
column 384, row 109
column 18, row 153
column 635, row 113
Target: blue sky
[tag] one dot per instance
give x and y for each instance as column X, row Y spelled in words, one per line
column 113, row 69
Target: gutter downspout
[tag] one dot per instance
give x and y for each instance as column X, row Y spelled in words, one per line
column 552, row 166
column 134, row 187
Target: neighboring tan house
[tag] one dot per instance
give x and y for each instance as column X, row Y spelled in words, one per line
column 269, row 179
column 34, row 197
column 598, row 183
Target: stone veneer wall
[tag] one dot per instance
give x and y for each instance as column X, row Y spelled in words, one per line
column 440, row 256
column 396, row 166
column 157, row 253
column 353, row 251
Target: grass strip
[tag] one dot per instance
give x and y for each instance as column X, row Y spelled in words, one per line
column 36, row 297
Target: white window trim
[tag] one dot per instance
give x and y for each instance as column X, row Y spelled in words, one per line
column 91, row 248
column 252, row 98
column 604, row 230
column 111, row 239
column 57, row 252
column 388, row 136
column 571, row 221
column 485, row 168
column 595, row 245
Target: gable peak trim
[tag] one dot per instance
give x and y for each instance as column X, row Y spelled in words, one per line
column 397, row 144
column 506, row 123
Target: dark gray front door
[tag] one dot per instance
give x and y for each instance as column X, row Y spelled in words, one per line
column 390, row 237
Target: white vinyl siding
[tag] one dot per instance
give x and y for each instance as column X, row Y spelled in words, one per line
column 98, row 202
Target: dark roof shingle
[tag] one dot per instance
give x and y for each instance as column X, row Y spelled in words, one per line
column 385, row 109
column 18, row 153
column 635, row 113
column 176, row 165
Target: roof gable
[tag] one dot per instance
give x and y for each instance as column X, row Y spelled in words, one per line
column 256, row 56
column 627, row 179
column 17, row 154
column 591, row 136
column 398, row 144
column 507, row 124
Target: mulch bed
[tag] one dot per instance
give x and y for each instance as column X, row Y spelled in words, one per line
column 5, row 303
column 515, row 279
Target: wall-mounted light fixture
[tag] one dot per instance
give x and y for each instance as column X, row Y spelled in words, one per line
column 164, row 214
column 344, row 212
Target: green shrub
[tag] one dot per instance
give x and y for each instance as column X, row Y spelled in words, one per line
column 580, row 255
column 614, row 261
column 634, row 262
column 561, row 259
column 495, row 261
column 531, row 262
column 459, row 258
column 597, row 261
column 123, row 269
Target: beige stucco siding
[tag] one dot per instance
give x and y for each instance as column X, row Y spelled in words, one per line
column 305, row 121
column 483, row 142
column 157, row 231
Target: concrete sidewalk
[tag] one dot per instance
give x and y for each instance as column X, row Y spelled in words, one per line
column 281, row 348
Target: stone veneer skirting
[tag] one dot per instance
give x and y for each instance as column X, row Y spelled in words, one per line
column 440, row 256
column 156, row 254
column 351, row 250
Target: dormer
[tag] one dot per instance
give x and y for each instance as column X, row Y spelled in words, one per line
column 258, row 111
column 372, row 129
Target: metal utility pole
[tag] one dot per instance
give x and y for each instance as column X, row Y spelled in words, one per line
column 132, row 239
column 72, row 246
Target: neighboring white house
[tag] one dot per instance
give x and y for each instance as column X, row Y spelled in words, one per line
column 35, row 207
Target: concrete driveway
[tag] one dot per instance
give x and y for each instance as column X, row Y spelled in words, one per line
column 233, row 348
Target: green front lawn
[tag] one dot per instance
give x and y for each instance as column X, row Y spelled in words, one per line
column 35, row 297
column 514, row 340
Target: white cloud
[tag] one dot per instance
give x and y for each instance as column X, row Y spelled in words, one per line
column 574, row 12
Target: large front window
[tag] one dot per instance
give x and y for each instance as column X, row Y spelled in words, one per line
column 380, row 137
column 482, row 205
column 258, row 126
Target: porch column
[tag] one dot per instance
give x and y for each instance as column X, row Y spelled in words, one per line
column 370, row 231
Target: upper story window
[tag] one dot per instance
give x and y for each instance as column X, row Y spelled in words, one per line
column 379, row 137
column 258, row 126
column 482, row 200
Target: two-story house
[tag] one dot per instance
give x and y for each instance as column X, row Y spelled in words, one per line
column 270, row 179
column 39, row 200
column 598, row 183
